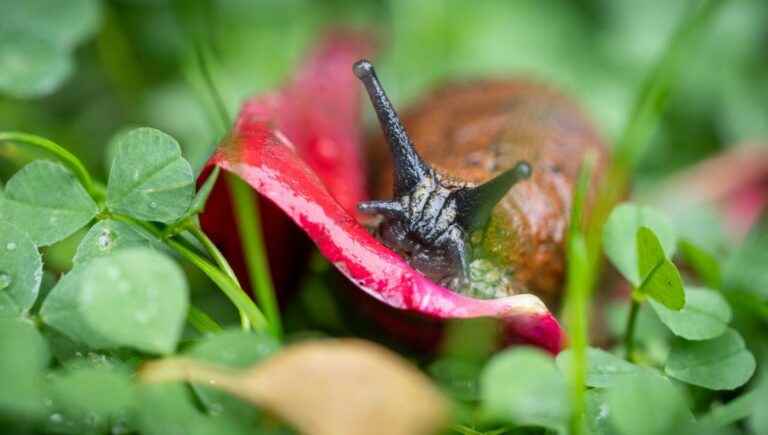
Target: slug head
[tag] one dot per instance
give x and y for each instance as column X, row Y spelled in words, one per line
column 430, row 218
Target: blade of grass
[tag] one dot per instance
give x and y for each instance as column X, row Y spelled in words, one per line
column 244, row 203
column 577, row 296
column 222, row 262
column 246, row 210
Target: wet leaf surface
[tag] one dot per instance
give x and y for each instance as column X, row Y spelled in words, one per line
column 21, row 270
column 722, row 363
column 136, row 297
column 109, row 236
column 149, row 178
column 706, row 315
column 536, row 398
column 603, row 368
column 47, row 202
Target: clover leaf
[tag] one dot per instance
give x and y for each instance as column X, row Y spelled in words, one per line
column 136, row 297
column 149, row 179
column 46, row 201
column 620, row 232
column 706, row 315
column 21, row 270
column 722, row 363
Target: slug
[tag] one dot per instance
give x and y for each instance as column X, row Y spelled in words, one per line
column 479, row 183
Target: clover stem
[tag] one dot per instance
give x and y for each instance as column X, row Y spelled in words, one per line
column 221, row 261
column 65, row 156
column 231, row 289
column 629, row 334
column 246, row 210
column 201, row 321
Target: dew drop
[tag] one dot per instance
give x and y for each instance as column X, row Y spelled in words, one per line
column 56, row 418
column 153, row 205
column 105, row 240
column 11, row 246
column 5, row 280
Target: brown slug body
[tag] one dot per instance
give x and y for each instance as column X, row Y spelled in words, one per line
column 470, row 133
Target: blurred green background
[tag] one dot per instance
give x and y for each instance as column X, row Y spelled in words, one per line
column 80, row 70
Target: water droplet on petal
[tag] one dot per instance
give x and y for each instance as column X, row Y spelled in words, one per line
column 10, row 246
column 5, row 280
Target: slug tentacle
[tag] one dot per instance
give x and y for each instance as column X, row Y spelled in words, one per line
column 384, row 208
column 430, row 219
column 410, row 168
column 477, row 203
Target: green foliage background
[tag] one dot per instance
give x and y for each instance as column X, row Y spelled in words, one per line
column 82, row 72
column 133, row 62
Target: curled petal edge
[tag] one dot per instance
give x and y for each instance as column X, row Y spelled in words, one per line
column 268, row 162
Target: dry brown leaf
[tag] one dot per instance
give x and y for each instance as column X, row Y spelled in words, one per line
column 328, row 387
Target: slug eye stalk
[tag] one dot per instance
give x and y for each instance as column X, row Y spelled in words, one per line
column 410, row 168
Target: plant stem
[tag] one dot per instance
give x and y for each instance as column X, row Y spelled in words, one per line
column 202, row 322
column 578, row 288
column 246, row 211
column 217, row 256
column 65, row 156
column 629, row 334
column 231, row 288
column 218, row 101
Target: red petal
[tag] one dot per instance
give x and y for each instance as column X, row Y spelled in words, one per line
column 317, row 111
column 264, row 158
